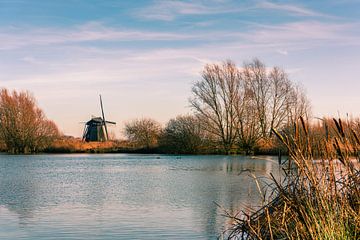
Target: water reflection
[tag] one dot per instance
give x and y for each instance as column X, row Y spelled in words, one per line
column 122, row 196
column 17, row 189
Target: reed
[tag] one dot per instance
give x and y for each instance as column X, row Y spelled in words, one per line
column 319, row 198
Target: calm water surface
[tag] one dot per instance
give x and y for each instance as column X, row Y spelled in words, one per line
column 121, row 196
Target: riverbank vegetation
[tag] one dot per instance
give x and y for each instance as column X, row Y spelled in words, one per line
column 238, row 107
column 233, row 110
column 318, row 199
column 23, row 125
column 143, row 133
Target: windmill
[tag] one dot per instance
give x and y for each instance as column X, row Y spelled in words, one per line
column 96, row 128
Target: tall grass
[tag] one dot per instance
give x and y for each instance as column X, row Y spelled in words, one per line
column 320, row 195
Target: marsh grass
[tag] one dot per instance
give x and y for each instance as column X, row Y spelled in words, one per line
column 76, row 145
column 317, row 199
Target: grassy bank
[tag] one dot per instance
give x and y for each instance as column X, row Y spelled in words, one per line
column 77, row 145
column 317, row 199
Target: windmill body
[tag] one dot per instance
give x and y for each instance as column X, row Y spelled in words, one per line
column 96, row 128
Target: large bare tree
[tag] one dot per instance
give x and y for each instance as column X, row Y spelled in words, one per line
column 281, row 88
column 23, row 125
column 254, row 73
column 277, row 100
column 215, row 100
column 241, row 106
column 248, row 127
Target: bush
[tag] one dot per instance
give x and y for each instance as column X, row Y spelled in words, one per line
column 182, row 135
column 23, row 125
column 143, row 133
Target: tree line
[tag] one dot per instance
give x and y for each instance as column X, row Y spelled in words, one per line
column 233, row 111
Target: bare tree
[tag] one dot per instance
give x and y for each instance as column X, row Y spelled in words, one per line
column 183, row 134
column 248, row 127
column 298, row 104
column 242, row 106
column 254, row 73
column 281, row 88
column 23, row 126
column 144, row 133
column 215, row 100
column 276, row 99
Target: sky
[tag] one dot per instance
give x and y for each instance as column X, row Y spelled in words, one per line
column 144, row 56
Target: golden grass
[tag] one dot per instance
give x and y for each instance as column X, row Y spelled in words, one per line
column 76, row 145
column 318, row 199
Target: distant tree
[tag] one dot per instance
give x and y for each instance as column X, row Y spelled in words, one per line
column 143, row 133
column 259, row 88
column 276, row 99
column 298, row 104
column 215, row 99
column 248, row 126
column 23, row 125
column 239, row 107
column 184, row 134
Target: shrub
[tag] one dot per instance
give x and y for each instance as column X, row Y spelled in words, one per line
column 23, row 125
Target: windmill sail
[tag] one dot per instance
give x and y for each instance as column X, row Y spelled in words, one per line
column 103, row 116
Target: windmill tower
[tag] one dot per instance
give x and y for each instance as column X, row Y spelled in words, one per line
column 96, row 128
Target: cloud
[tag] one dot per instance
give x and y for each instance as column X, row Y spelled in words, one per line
column 308, row 33
column 289, row 9
column 42, row 49
column 293, row 33
column 20, row 37
column 282, row 52
column 78, row 64
column 31, row 60
column 170, row 10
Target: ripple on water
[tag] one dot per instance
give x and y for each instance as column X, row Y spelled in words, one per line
column 122, row 196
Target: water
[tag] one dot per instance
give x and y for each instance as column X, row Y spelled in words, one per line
column 122, row 196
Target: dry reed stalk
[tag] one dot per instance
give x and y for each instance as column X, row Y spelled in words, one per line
column 318, row 199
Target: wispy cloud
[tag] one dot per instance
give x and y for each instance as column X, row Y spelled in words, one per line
column 282, row 52
column 289, row 9
column 52, row 61
column 50, row 52
column 308, row 33
column 170, row 10
column 18, row 37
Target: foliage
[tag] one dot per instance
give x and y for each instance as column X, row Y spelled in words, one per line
column 183, row 135
column 143, row 133
column 23, row 125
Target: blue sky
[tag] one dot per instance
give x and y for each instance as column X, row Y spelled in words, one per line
column 143, row 56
